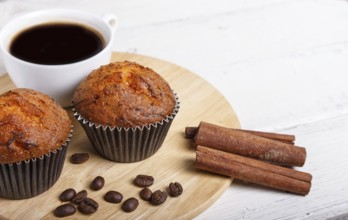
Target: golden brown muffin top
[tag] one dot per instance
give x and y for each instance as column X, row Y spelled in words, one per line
column 124, row 94
column 31, row 125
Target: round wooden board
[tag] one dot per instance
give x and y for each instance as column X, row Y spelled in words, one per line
column 199, row 101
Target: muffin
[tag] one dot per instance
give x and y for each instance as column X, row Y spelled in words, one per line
column 126, row 110
column 34, row 135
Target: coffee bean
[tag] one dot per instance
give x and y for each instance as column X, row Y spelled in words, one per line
column 145, row 194
column 67, row 195
column 65, row 210
column 143, row 180
column 130, row 205
column 97, row 183
column 88, row 206
column 158, row 197
column 79, row 158
column 113, row 197
column 79, row 197
column 175, row 189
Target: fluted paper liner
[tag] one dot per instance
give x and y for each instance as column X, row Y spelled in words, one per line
column 29, row 178
column 127, row 144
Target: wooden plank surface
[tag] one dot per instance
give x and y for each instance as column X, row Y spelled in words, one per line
column 172, row 163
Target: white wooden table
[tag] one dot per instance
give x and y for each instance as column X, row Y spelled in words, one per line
column 283, row 66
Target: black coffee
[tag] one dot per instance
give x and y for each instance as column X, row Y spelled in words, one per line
column 56, row 43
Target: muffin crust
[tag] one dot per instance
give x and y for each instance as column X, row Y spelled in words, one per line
column 31, row 124
column 124, row 94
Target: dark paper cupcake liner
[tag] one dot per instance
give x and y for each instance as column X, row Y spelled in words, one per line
column 127, row 145
column 27, row 179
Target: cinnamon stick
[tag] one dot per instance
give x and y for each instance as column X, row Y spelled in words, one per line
column 286, row 138
column 252, row 170
column 190, row 132
column 249, row 145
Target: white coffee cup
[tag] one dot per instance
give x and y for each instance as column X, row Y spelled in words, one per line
column 57, row 81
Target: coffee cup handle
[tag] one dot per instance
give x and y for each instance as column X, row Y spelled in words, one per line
column 112, row 20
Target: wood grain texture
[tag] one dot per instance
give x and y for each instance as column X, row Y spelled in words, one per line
column 172, row 163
